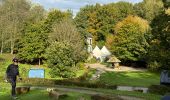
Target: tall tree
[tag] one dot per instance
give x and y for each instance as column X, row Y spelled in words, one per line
column 32, row 46
column 160, row 43
column 53, row 17
column 148, row 9
column 100, row 20
column 35, row 41
column 16, row 12
column 129, row 41
column 66, row 31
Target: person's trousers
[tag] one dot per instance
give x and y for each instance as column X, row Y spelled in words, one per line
column 12, row 80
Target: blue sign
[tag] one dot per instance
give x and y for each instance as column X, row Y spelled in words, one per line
column 36, row 73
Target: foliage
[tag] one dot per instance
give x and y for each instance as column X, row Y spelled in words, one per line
column 159, row 89
column 61, row 60
column 53, row 17
column 66, row 31
column 13, row 15
column 92, row 60
column 32, row 46
column 129, row 41
column 100, row 20
column 159, row 50
column 149, row 9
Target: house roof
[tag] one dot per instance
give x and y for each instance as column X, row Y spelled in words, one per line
column 113, row 59
column 105, row 51
column 89, row 35
column 97, row 52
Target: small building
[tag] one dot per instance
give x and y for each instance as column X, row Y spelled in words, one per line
column 101, row 54
column 89, row 43
column 114, row 61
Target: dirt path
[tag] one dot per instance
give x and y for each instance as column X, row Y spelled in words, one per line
column 87, row 91
column 104, row 68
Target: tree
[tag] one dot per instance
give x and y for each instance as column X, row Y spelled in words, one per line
column 148, row 9
column 37, row 14
column 100, row 20
column 32, row 46
column 66, row 31
column 16, row 12
column 35, row 40
column 158, row 56
column 53, row 17
column 129, row 41
column 60, row 58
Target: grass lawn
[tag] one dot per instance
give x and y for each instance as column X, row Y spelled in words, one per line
column 145, row 96
column 143, row 79
column 34, row 95
column 41, row 95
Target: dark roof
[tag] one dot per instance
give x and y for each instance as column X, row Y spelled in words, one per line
column 89, row 35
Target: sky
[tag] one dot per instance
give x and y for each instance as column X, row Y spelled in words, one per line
column 74, row 5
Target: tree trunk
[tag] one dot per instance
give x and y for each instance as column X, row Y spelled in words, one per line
column 39, row 62
column 2, row 43
column 11, row 43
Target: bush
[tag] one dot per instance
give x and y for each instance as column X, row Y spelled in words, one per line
column 153, row 66
column 93, row 60
column 159, row 89
column 60, row 58
column 81, row 65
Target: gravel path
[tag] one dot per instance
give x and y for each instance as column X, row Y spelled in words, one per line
column 104, row 68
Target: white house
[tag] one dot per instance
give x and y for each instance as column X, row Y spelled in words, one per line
column 101, row 54
column 97, row 53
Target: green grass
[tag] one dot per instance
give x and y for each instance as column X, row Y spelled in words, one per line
column 43, row 95
column 76, row 96
column 5, row 93
column 145, row 96
column 32, row 95
column 40, row 95
column 143, row 79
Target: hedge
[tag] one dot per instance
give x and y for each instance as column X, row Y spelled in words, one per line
column 159, row 89
column 66, row 82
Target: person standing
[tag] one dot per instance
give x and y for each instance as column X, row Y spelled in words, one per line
column 11, row 74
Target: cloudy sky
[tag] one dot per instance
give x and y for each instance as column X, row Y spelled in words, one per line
column 74, row 5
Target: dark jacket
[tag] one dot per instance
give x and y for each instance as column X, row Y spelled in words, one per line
column 12, row 70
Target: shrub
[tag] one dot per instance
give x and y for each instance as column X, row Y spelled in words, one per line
column 159, row 89
column 81, row 65
column 93, row 60
column 61, row 60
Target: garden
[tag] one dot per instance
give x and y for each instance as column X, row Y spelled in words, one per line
column 107, row 51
